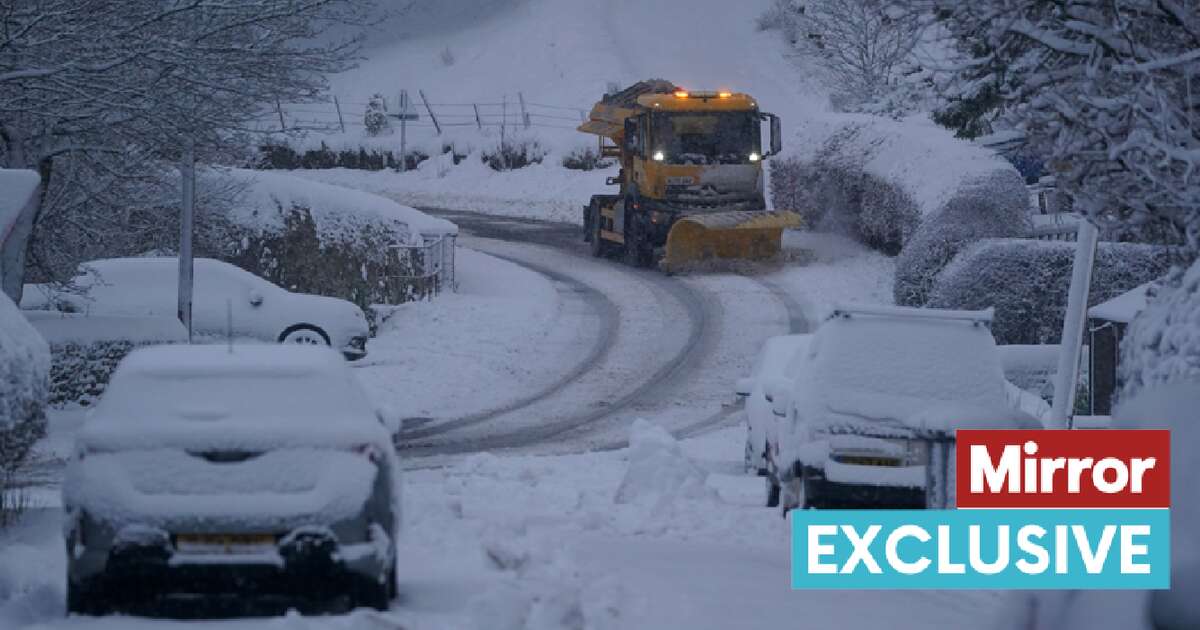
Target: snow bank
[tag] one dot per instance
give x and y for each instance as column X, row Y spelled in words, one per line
column 659, row 472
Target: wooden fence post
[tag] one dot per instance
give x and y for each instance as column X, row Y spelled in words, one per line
column 478, row 121
column 338, row 106
column 279, row 110
column 524, row 113
column 429, row 109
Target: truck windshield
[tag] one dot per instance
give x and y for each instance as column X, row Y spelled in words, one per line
column 705, row 138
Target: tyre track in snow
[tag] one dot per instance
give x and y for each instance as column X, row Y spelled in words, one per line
column 609, row 319
column 441, row 439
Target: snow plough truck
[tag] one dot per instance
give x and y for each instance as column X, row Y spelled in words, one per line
column 691, row 177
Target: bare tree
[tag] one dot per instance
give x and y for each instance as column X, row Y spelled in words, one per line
column 864, row 47
column 114, row 89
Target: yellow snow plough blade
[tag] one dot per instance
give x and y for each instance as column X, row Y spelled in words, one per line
column 730, row 235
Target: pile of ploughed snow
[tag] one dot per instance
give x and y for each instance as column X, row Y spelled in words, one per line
column 1162, row 344
column 659, row 472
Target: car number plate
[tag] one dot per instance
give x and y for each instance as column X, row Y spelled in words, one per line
column 225, row 543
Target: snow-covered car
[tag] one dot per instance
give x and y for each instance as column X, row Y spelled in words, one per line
column 872, row 387
column 141, row 287
column 776, row 355
column 259, row 472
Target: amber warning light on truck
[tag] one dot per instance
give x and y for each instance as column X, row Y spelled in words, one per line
column 1035, row 510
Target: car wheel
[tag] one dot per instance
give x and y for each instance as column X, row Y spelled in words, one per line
column 792, row 495
column 304, row 335
column 83, row 601
column 372, row 594
column 773, row 491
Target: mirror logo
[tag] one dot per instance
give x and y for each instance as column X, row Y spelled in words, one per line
column 1035, row 510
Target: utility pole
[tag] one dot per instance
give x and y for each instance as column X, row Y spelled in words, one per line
column 403, row 131
column 1073, row 324
column 187, row 214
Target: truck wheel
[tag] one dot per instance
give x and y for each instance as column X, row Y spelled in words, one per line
column 638, row 252
column 82, row 600
column 597, row 245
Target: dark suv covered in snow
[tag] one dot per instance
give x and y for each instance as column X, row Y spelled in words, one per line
column 255, row 473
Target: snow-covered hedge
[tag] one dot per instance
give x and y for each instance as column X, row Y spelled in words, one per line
column 1027, row 280
column 86, row 349
column 283, row 156
column 879, row 179
column 1162, row 344
column 317, row 238
column 24, row 384
column 993, row 205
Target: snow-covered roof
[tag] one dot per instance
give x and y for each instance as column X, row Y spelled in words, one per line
column 61, row 328
column 268, row 190
column 891, row 367
column 1124, row 307
column 16, row 186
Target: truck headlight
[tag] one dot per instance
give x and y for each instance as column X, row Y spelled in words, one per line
column 659, row 156
column 754, row 157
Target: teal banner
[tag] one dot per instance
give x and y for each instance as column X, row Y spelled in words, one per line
column 981, row 549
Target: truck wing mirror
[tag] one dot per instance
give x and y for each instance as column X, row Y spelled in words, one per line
column 776, row 134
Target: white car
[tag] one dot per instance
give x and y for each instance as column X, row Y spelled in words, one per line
column 872, row 387
column 772, row 363
column 260, row 474
column 147, row 287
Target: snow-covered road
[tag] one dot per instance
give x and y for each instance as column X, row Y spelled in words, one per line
column 667, row 347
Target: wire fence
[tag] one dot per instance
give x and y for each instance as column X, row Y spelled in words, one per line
column 340, row 116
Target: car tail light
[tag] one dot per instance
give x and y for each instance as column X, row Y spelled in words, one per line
column 370, row 451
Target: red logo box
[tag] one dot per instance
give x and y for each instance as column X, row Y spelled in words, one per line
column 1063, row 469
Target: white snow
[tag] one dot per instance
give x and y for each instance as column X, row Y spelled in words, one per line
column 658, row 470
column 1124, row 307
column 500, row 336
column 835, row 269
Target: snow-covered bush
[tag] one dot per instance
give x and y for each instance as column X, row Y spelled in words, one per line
column 1162, row 344
column 841, row 198
column 585, row 159
column 375, row 119
column 85, row 350
column 1027, row 281
column 24, row 384
column 514, row 154
column 991, row 206
column 658, row 470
